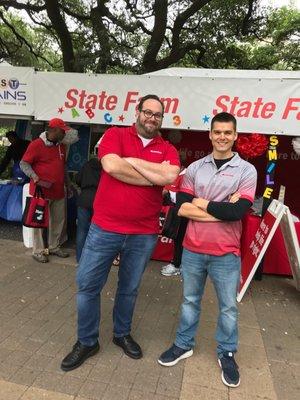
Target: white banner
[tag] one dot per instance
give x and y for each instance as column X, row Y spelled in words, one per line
column 265, row 105
column 16, row 91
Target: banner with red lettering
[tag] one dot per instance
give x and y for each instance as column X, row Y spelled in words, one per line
column 266, row 105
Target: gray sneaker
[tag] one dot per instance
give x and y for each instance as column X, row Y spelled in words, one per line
column 170, row 270
column 59, row 253
column 40, row 257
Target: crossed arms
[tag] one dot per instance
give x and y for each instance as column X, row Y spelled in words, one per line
column 202, row 210
column 191, row 211
column 136, row 171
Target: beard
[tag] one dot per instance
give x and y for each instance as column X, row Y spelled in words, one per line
column 148, row 129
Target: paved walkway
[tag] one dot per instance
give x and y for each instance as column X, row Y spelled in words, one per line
column 38, row 324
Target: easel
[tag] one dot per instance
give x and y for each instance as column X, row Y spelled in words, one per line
column 277, row 213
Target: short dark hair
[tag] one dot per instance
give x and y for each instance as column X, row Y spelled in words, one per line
column 223, row 117
column 150, row 97
column 11, row 134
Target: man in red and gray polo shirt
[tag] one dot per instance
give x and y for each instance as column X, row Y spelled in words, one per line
column 216, row 192
column 137, row 163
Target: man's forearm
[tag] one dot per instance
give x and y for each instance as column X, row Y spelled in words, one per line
column 120, row 169
column 158, row 173
column 191, row 211
column 200, row 203
column 27, row 169
column 234, row 210
column 229, row 211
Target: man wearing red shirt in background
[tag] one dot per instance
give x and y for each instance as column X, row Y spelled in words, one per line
column 137, row 163
column 44, row 162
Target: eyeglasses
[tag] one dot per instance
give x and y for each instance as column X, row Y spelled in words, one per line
column 149, row 114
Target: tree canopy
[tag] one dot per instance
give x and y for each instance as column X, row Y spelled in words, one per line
column 138, row 36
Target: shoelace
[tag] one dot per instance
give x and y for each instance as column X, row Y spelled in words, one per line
column 76, row 349
column 178, row 351
column 228, row 362
column 128, row 339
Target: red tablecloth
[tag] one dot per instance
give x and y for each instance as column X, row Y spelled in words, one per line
column 276, row 259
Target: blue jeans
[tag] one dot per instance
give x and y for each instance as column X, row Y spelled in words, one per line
column 84, row 216
column 224, row 272
column 100, row 249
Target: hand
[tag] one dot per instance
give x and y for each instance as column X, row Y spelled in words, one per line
column 200, row 203
column 130, row 160
column 35, row 179
column 70, row 191
column 196, row 201
column 234, row 197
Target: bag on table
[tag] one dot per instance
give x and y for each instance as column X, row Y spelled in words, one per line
column 36, row 212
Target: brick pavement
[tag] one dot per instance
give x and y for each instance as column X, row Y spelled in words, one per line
column 38, row 325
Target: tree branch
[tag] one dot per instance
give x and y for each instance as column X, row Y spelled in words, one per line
column 80, row 17
column 247, row 20
column 22, row 40
column 48, row 27
column 21, row 6
column 64, row 36
column 177, row 52
column 100, row 30
column 183, row 17
column 131, row 28
column 158, row 34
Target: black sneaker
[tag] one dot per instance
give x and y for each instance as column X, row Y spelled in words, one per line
column 78, row 355
column 230, row 370
column 173, row 355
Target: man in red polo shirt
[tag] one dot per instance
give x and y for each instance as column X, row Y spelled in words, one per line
column 137, row 163
column 44, row 162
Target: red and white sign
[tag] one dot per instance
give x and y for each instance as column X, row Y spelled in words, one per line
column 291, row 244
column 252, row 258
column 265, row 105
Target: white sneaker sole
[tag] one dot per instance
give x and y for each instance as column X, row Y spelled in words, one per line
column 170, row 273
column 170, row 364
column 224, row 380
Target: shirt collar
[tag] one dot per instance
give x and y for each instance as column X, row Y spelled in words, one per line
column 234, row 162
